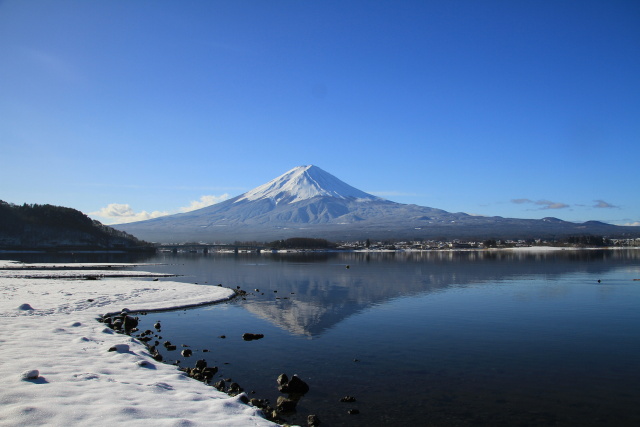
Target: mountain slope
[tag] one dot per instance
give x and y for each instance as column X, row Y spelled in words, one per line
column 309, row 202
column 56, row 227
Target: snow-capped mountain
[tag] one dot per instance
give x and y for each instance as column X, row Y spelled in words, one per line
column 309, row 202
column 302, row 183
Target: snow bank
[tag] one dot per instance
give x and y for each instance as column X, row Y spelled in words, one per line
column 55, row 274
column 57, row 369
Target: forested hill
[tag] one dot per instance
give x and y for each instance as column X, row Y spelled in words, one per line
column 32, row 226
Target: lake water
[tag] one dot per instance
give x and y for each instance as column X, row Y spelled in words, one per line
column 429, row 339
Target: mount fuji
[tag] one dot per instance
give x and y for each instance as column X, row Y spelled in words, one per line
column 309, row 202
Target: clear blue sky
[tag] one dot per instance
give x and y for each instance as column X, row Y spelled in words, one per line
column 521, row 109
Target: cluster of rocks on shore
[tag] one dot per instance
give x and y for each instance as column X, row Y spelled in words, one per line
column 294, row 388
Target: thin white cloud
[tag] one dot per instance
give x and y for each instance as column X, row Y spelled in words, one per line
column 521, row 201
column 117, row 213
column 391, row 193
column 546, row 204
column 603, row 204
column 633, row 224
column 204, row 202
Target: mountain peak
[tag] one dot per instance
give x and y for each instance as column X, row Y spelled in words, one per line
column 302, row 183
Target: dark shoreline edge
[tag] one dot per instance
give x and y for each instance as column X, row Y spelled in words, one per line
column 180, row 307
column 262, row 405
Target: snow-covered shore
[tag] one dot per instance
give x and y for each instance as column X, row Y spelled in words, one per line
column 49, row 325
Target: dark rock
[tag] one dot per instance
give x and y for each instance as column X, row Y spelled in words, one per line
column 186, row 352
column 157, row 325
column 220, row 385
column 209, row 372
column 128, row 323
column 282, row 380
column 348, row 399
column 295, row 385
column 120, row 348
column 223, row 336
column 155, row 353
column 116, row 323
column 258, row 403
column 234, row 389
column 285, row 404
column 313, row 421
column 32, row 374
column 250, row 337
column 201, row 364
column 353, row 412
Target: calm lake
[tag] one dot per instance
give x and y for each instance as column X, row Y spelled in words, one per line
column 428, row 339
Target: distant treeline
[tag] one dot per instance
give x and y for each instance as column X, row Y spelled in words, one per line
column 301, row 243
column 588, row 241
column 581, row 241
column 37, row 226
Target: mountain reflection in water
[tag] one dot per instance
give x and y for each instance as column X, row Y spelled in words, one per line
column 319, row 290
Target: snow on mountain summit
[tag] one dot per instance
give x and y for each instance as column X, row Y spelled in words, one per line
column 302, row 183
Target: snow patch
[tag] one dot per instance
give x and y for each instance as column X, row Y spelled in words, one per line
column 84, row 384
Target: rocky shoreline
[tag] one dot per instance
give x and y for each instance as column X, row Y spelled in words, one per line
column 126, row 322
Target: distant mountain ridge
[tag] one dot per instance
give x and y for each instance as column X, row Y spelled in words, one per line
column 309, row 202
